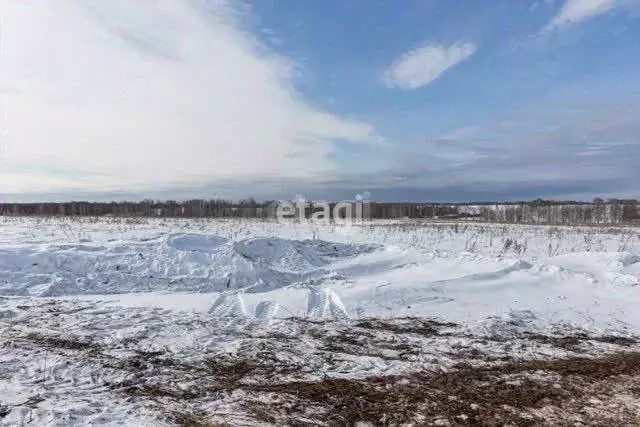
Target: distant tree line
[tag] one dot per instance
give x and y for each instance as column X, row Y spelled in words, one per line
column 598, row 211
column 611, row 212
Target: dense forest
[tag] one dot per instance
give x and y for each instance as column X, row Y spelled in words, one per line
column 598, row 211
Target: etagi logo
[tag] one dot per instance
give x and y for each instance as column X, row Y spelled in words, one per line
column 357, row 211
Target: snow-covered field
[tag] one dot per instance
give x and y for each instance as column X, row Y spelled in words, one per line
column 198, row 322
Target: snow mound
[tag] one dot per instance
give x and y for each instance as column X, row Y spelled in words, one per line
column 196, row 242
column 290, row 256
column 615, row 268
column 174, row 263
column 323, row 303
column 228, row 305
column 588, row 290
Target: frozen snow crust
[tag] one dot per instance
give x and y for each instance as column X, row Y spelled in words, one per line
column 179, row 262
column 257, row 275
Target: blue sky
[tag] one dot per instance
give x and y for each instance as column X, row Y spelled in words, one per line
column 409, row 100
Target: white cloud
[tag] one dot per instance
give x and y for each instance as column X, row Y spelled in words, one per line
column 124, row 94
column 577, row 11
column 423, row 65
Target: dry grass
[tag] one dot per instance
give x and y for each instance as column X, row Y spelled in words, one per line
column 67, row 342
column 504, row 395
column 572, row 342
column 4, row 410
column 410, row 325
column 196, row 419
column 513, row 393
column 480, row 390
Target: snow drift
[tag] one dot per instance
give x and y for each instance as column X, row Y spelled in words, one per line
column 259, row 279
column 181, row 262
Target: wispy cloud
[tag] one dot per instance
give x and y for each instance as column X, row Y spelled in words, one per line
column 574, row 12
column 127, row 94
column 550, row 145
column 425, row 64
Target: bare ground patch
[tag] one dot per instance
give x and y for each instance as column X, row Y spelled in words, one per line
column 508, row 394
column 597, row 390
column 308, row 373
